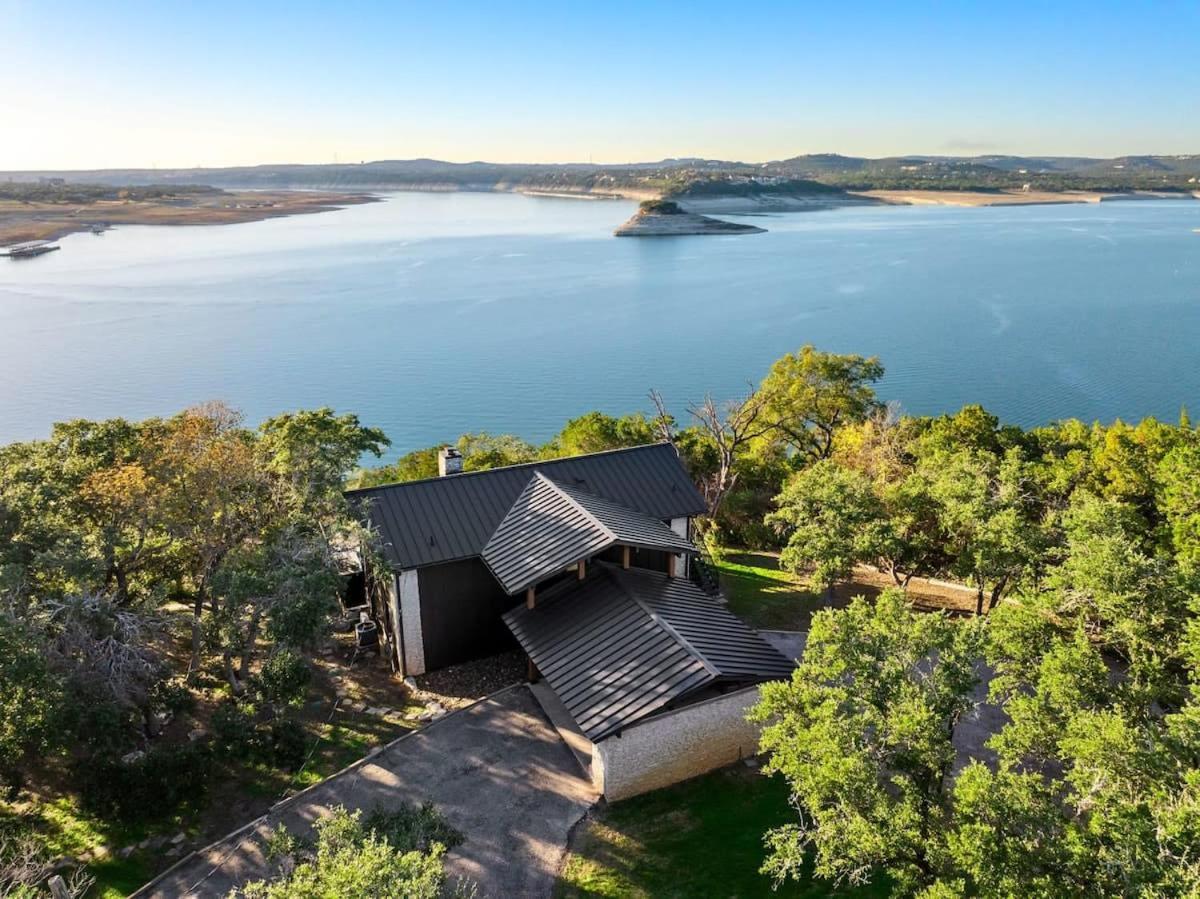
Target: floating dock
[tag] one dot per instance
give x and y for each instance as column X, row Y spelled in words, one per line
column 29, row 249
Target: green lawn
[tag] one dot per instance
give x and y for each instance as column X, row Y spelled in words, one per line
column 762, row 595
column 700, row 838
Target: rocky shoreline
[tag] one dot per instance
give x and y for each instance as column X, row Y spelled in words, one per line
column 663, row 218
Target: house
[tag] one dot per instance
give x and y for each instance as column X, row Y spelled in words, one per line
column 585, row 563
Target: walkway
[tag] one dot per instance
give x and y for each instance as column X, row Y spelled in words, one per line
column 497, row 771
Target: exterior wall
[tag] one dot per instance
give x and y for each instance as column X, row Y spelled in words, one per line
column 461, row 605
column 682, row 527
column 675, row 746
column 409, row 588
column 392, row 612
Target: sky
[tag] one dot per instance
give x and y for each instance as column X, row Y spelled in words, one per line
column 174, row 84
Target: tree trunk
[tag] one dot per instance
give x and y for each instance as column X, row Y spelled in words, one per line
column 231, row 675
column 994, row 599
column 197, row 634
column 979, row 601
column 122, row 580
column 248, row 648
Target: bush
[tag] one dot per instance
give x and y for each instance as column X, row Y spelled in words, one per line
column 152, row 787
column 284, row 677
column 286, row 744
column 173, row 696
column 233, row 729
column 409, row 828
column 97, row 724
column 351, row 862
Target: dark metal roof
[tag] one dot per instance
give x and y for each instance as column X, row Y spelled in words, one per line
column 442, row 519
column 551, row 526
column 623, row 645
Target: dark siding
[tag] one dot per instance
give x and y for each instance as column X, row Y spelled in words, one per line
column 461, row 605
column 650, row 559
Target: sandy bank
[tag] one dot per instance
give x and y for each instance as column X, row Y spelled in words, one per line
column 21, row 221
column 1010, row 197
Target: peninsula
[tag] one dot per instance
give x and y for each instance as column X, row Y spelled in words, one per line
column 53, row 208
column 664, row 218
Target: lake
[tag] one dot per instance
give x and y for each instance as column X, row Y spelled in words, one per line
column 433, row 314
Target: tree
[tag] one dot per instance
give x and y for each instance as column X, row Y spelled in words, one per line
column 482, row 451
column 596, row 432
column 31, row 698
column 832, row 520
column 726, row 430
column 863, row 734
column 314, row 451
column 810, row 394
column 414, row 466
column 1178, row 480
column 988, row 518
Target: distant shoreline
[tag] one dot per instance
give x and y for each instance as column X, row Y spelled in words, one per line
column 30, row 221
column 1012, row 197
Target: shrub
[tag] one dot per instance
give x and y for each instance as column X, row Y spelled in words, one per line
column 284, row 677
column 233, row 729
column 411, row 827
column 152, row 787
column 173, row 696
column 351, row 862
column 97, row 724
column 286, row 743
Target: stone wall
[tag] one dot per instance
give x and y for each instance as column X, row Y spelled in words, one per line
column 675, row 746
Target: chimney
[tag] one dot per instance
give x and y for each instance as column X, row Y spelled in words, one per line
column 449, row 461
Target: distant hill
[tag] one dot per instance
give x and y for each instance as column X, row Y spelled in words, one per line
column 806, row 174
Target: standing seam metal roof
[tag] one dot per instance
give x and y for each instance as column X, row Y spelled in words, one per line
column 551, row 526
column 624, row 644
column 448, row 518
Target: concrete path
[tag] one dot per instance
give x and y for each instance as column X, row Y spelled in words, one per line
column 496, row 770
column 790, row 643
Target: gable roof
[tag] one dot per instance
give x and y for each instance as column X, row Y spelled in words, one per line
column 551, row 526
column 453, row 517
column 624, row 644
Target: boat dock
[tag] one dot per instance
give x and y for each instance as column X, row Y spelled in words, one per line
column 29, row 249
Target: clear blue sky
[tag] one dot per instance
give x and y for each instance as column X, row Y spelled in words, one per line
column 89, row 84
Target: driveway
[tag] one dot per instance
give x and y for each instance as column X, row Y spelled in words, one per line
column 498, row 772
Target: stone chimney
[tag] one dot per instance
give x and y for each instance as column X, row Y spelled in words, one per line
column 449, row 461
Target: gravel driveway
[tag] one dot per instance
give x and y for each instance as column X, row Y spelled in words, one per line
column 496, row 770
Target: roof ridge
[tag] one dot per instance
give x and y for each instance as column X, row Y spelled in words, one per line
column 562, row 491
column 533, row 464
column 618, row 575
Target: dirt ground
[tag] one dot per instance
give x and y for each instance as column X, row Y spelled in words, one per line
column 24, row 221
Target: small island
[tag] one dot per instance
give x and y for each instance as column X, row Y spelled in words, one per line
column 664, row 218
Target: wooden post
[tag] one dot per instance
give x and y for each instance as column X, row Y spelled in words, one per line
column 530, row 598
column 582, row 569
column 532, row 672
column 671, row 565
column 625, row 557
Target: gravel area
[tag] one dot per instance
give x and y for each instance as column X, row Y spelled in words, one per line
column 460, row 685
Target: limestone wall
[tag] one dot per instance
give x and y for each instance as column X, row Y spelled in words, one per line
column 675, row 746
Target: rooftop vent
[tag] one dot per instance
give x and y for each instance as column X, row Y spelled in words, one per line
column 450, row 461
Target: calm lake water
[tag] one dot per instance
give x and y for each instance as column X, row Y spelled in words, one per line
column 432, row 314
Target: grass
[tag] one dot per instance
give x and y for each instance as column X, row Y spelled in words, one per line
column 762, row 595
column 240, row 789
column 699, row 838
column 67, row 830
